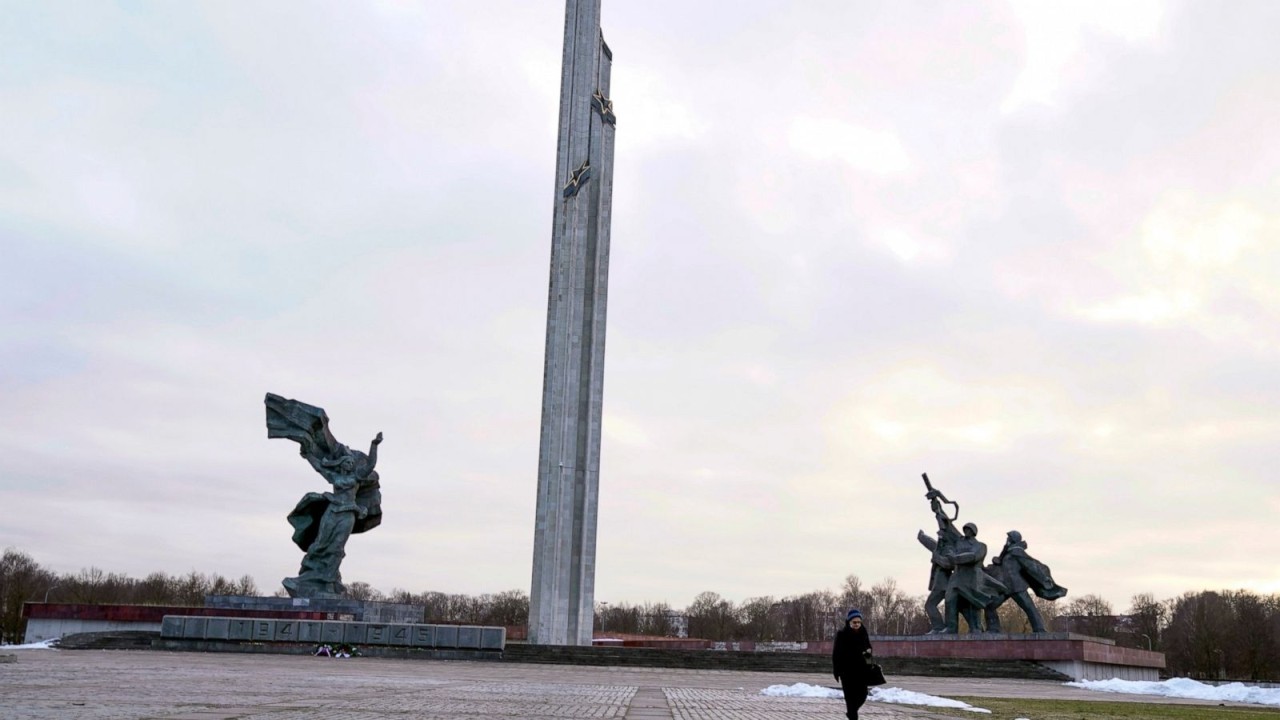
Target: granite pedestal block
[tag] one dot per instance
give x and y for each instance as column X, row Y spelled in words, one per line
column 310, row 631
column 446, row 636
column 194, row 627
column 331, row 632
column 423, row 636
column 355, row 633
column 493, row 638
column 264, row 630
column 217, row 628
column 377, row 634
column 240, row 629
column 469, row 637
column 286, row 631
column 401, row 634
column 171, row 626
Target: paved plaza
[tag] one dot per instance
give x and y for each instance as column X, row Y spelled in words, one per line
column 93, row 685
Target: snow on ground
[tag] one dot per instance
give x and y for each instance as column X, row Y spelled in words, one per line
column 894, row 695
column 50, row 644
column 802, row 690
column 1186, row 688
column 907, row 697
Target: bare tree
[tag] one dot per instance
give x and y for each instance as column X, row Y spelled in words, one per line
column 892, row 612
column 155, row 589
column 712, row 617
column 852, row 594
column 510, row 607
column 759, row 619
column 21, row 579
column 1250, row 651
column 1146, row 619
column 1090, row 615
column 1197, row 636
column 657, row 619
column 620, row 618
column 363, row 591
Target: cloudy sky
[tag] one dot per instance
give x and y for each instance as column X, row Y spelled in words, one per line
column 1031, row 249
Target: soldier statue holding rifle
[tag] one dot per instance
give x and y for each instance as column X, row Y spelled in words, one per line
column 959, row 578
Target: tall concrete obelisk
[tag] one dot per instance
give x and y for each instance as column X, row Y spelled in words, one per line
column 564, row 542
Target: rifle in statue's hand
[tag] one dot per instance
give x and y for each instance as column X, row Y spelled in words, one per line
column 937, row 500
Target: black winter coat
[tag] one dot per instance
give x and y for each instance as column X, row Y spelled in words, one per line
column 849, row 654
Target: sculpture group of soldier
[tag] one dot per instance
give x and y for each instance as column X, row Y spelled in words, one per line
column 971, row 589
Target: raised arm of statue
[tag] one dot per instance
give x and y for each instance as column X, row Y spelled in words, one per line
column 314, row 459
column 373, row 453
column 929, row 543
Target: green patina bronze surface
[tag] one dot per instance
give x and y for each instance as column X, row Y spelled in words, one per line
column 323, row 522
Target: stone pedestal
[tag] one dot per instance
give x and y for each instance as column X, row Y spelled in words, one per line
column 1081, row 657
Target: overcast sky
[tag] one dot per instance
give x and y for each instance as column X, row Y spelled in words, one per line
column 1032, row 249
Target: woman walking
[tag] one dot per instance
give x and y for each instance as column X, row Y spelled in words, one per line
column 849, row 656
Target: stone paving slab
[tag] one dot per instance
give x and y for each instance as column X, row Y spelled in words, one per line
column 715, row 704
column 147, row 685
column 102, row 685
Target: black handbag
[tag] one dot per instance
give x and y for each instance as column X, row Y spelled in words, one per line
column 875, row 676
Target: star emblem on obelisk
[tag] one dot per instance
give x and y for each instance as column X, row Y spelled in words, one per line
column 577, row 178
column 604, row 106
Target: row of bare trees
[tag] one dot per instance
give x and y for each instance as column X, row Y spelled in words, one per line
column 23, row 580
column 506, row 608
column 1215, row 635
column 807, row 617
column 1225, row 634
column 1229, row 634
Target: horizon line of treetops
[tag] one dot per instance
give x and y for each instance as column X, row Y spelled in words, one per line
column 1204, row 634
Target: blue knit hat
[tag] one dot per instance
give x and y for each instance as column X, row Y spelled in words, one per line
column 854, row 613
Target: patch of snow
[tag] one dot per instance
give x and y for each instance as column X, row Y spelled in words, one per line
column 893, row 695
column 907, row 697
column 50, row 644
column 1186, row 688
column 802, row 690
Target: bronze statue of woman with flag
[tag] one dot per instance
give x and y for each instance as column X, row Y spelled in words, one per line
column 322, row 522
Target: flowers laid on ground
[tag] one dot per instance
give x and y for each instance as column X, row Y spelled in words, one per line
column 340, row 650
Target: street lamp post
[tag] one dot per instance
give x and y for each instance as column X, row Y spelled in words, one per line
column 49, row 590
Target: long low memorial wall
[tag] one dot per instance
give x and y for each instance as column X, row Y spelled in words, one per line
column 223, row 633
